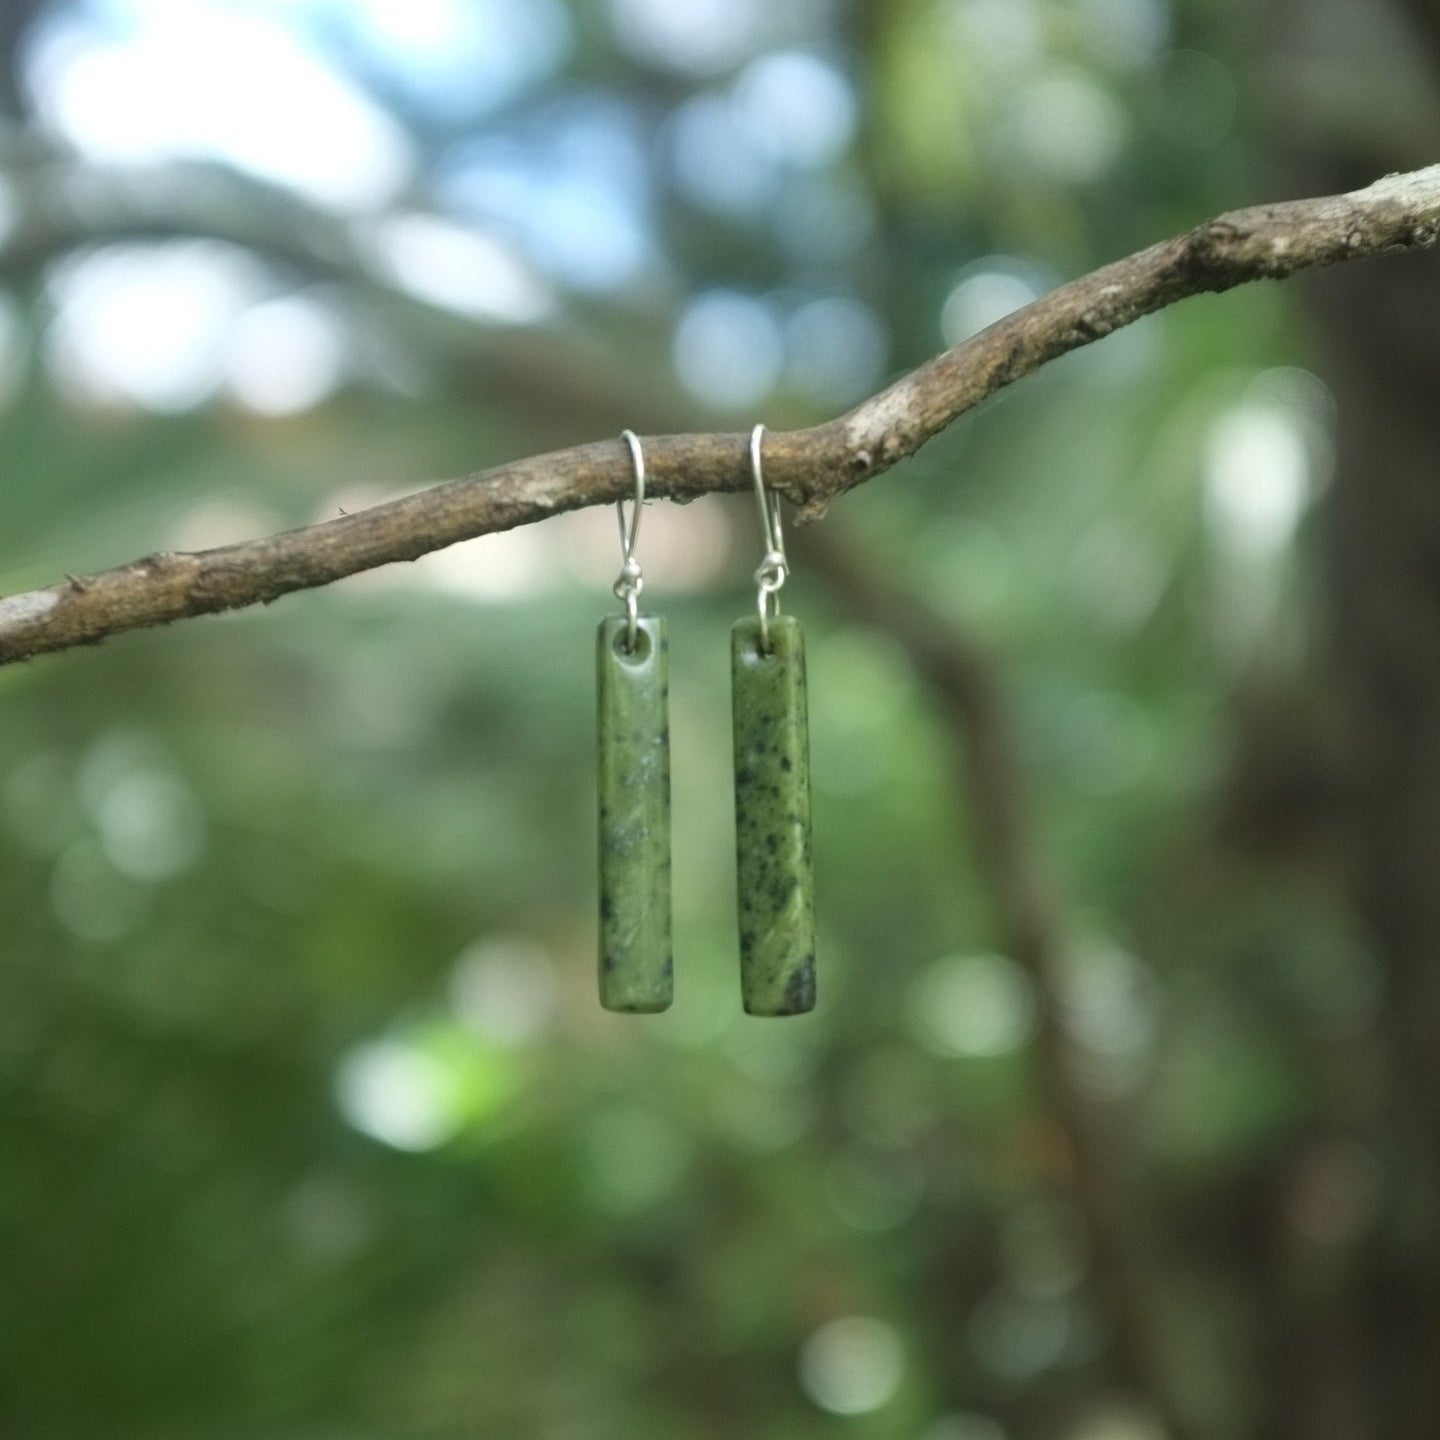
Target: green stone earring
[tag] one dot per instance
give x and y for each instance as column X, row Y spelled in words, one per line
column 633, row 767
column 775, row 876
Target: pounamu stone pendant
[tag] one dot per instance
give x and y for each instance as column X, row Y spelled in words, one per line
column 772, row 817
column 632, row 688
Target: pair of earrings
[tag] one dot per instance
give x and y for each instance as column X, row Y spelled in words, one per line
column 775, row 879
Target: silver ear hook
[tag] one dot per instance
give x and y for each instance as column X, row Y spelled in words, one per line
column 773, row 569
column 630, row 582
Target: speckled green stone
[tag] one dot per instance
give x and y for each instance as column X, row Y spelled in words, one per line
column 636, row 965
column 772, row 818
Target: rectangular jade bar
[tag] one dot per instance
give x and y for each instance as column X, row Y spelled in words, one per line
column 772, row 817
column 633, row 690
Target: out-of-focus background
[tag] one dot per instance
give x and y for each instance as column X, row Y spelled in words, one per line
column 1118, row 1118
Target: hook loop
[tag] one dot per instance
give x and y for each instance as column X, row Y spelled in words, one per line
column 630, row 581
column 773, row 570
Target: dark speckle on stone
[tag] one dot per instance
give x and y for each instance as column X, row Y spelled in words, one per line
column 800, row 989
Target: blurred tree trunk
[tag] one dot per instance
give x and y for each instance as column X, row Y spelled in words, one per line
column 1380, row 346
column 1385, row 616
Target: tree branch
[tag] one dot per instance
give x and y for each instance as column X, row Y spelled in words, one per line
column 811, row 467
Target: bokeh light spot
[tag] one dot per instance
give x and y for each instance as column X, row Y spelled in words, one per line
column 1067, row 125
column 716, row 161
column 1257, row 479
column 973, row 1006
column 398, row 1095
column 504, row 990
column 151, row 825
column 798, row 108
column 285, row 356
column 728, row 349
column 148, row 324
column 459, row 268
column 837, row 349
column 179, row 81
column 1004, row 34
column 700, row 36
column 986, row 291
column 460, row 58
column 574, row 196
column 223, row 519
column 1110, row 1000
column 687, row 549
column 506, row 566
column 853, row 1365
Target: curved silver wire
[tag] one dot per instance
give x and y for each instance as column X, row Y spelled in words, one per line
column 773, row 569
column 630, row 581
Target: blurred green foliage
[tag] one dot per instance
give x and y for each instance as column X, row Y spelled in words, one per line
column 310, row 1123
